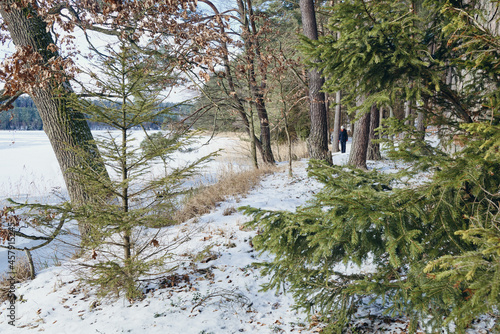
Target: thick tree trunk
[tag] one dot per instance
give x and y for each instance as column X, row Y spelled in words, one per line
column 67, row 130
column 373, row 148
column 317, row 143
column 359, row 146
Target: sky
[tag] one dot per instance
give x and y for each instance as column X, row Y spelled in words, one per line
column 175, row 94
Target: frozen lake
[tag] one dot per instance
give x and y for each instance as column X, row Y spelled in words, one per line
column 30, row 172
column 29, row 167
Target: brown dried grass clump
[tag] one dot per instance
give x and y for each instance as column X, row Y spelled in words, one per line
column 230, row 184
column 240, row 151
column 20, row 274
column 299, row 151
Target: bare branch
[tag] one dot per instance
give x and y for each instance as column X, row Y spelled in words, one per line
column 7, row 100
column 48, row 239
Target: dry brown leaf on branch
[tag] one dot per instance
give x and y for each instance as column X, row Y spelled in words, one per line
column 205, row 76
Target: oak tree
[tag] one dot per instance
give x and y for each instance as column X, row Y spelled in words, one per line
column 42, row 30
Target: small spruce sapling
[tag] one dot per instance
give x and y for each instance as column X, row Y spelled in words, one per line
column 145, row 187
column 129, row 212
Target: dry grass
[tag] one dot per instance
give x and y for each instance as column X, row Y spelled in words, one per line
column 227, row 134
column 299, row 151
column 21, row 274
column 230, row 184
column 240, row 153
column 234, row 183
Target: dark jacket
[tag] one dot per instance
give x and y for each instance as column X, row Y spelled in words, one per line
column 343, row 135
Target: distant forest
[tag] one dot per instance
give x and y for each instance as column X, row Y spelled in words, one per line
column 25, row 116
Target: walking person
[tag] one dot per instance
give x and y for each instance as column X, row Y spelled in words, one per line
column 343, row 139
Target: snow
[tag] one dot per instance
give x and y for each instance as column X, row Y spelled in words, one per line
column 30, row 172
column 220, row 294
column 29, row 165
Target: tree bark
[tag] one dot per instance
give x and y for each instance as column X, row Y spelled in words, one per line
column 317, row 143
column 67, row 130
column 374, row 148
column 338, row 112
column 265, row 131
column 336, row 123
column 253, row 139
column 408, row 110
column 240, row 108
column 421, row 122
column 359, row 146
column 250, row 41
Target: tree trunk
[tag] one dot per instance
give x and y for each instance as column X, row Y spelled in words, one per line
column 421, row 122
column 67, row 130
column 373, row 148
column 252, row 46
column 289, row 142
column 391, row 115
column 328, row 120
column 317, row 143
column 249, row 126
column 265, row 131
column 338, row 112
column 253, row 151
column 407, row 109
column 336, row 124
column 359, row 146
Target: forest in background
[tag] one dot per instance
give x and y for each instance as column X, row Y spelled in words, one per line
column 24, row 116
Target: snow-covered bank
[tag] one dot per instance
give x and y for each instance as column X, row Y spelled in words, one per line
column 219, row 295
column 215, row 289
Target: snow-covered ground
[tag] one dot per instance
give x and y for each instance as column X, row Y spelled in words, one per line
column 29, row 167
column 219, row 294
column 29, row 172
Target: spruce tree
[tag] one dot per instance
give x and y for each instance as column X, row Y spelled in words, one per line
column 433, row 240
column 145, row 190
column 130, row 211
